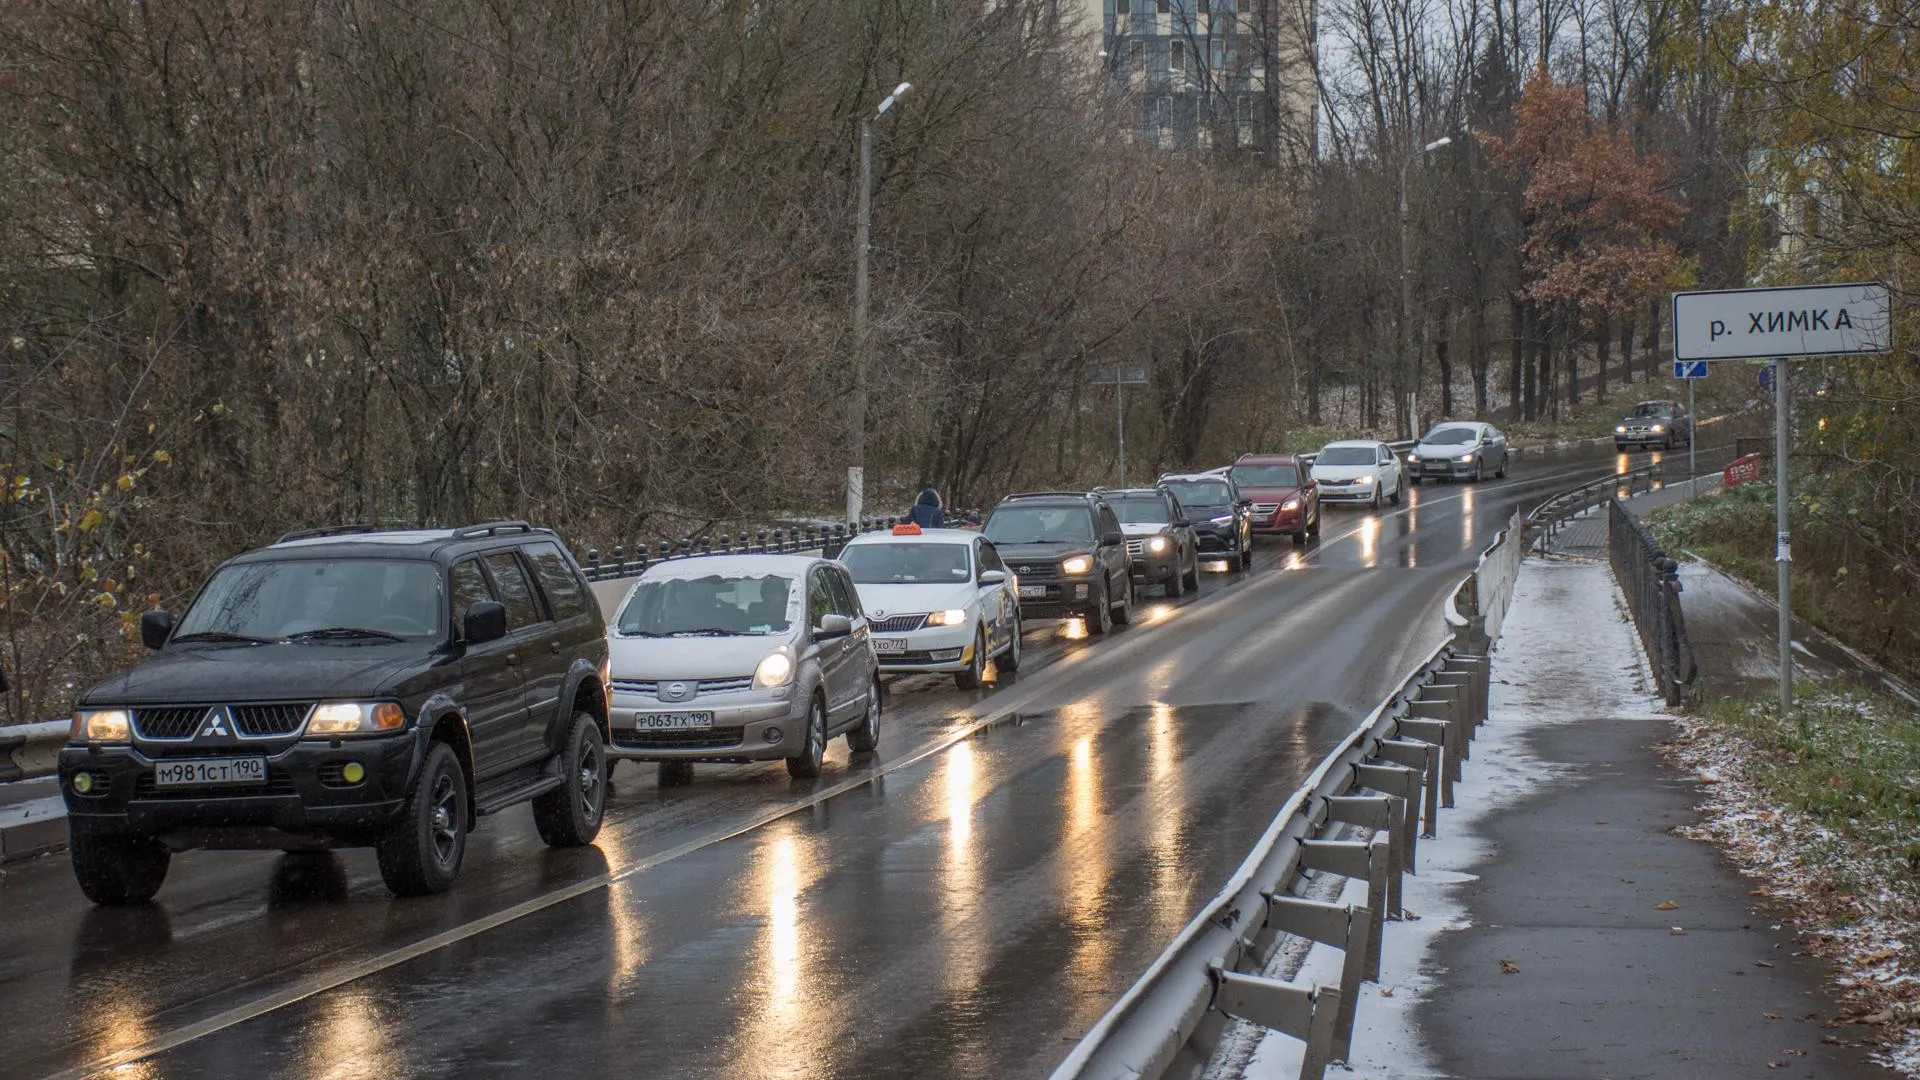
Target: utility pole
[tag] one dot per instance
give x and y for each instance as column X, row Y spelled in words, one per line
column 1409, row 371
column 863, row 227
column 1782, row 547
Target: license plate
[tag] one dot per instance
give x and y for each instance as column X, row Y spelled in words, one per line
column 889, row 645
column 1031, row 591
column 210, row 772
column 673, row 721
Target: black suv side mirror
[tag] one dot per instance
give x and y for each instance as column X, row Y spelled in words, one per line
column 486, row 621
column 1112, row 538
column 155, row 628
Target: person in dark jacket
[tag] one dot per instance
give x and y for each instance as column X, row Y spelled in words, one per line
column 926, row 512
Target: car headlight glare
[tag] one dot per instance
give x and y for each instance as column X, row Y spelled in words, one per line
column 1619, row 429
column 776, row 669
column 1157, row 545
column 1079, row 564
column 1290, row 504
column 1363, row 479
column 1658, row 428
column 101, row 725
column 335, row 718
column 1223, row 519
column 1464, row 457
column 949, row 617
column 1412, row 458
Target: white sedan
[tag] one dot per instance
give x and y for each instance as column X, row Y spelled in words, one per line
column 937, row 600
column 1357, row 470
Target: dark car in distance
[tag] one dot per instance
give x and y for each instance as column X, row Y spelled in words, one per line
column 349, row 687
column 1222, row 516
column 1654, row 423
column 1286, row 500
column 1069, row 554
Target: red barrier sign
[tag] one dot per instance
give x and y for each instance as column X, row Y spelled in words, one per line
column 1742, row 470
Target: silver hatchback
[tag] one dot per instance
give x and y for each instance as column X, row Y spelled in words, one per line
column 741, row 658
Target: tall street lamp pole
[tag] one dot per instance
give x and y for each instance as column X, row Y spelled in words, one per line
column 857, row 422
column 1408, row 369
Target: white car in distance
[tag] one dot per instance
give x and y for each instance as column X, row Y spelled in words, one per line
column 937, row 600
column 1357, row 471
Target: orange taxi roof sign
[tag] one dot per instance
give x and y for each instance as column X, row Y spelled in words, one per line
column 906, row 528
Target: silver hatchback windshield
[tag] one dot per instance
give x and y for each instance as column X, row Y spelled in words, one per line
column 712, row 606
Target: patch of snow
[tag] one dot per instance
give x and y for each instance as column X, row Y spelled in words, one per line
column 1567, row 654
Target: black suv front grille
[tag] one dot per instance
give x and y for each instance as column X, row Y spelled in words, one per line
column 897, row 624
column 1033, row 572
column 171, row 722
column 258, row 721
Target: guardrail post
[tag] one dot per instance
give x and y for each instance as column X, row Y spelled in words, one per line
column 1422, row 758
column 1444, row 703
column 1307, row 1014
column 1437, row 733
column 1402, row 787
column 1475, row 670
column 1348, row 929
column 1356, row 859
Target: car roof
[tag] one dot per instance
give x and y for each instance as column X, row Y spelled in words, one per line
column 1457, row 423
column 748, row 565
column 1133, row 492
column 924, row 536
column 1218, row 478
column 1058, row 498
column 1370, row 443
column 1268, row 459
column 366, row 541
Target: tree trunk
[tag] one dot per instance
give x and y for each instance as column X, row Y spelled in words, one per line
column 1543, row 359
column 1444, row 359
column 1517, row 357
column 1478, row 358
column 1650, row 342
column 1570, row 349
column 1604, row 339
column 1626, row 348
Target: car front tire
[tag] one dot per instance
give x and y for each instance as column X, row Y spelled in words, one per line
column 118, row 870
column 570, row 815
column 422, row 849
column 806, row 764
column 971, row 676
column 1100, row 619
column 1124, row 613
column 1174, row 584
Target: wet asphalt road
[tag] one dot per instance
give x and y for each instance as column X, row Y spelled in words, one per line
column 964, row 904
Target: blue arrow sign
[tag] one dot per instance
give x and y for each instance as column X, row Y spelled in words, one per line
column 1689, row 369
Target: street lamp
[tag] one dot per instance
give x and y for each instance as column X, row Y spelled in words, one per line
column 856, row 472
column 1408, row 369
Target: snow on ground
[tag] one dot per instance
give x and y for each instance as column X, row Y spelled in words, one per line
column 1567, row 653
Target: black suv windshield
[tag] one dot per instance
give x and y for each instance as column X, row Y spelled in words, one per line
column 1198, row 494
column 1140, row 509
column 1450, row 436
column 321, row 599
column 1040, row 525
column 712, row 606
column 906, row 564
column 1266, row 476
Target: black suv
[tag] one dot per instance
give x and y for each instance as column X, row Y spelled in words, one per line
column 1222, row 517
column 1160, row 542
column 349, row 687
column 1069, row 554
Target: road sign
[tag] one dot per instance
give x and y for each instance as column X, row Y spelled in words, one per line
column 1121, row 375
column 1765, row 378
column 1689, row 369
column 1808, row 320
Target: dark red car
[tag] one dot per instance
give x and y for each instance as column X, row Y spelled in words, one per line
column 1285, row 498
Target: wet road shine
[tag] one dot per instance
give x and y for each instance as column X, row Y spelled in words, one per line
column 963, row 904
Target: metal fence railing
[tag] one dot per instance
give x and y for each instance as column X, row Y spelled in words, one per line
column 1389, row 777
column 1652, row 587
column 623, row 562
column 1546, row 520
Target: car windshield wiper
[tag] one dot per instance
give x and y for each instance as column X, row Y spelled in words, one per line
column 223, row 636
column 343, row 633
column 704, row 631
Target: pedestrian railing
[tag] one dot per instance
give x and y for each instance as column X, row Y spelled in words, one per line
column 1651, row 585
column 1547, row 519
column 1359, row 815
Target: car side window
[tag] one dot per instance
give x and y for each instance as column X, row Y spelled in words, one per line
column 1104, row 518
column 819, row 597
column 515, row 591
column 987, row 556
column 845, row 600
column 565, row 593
column 469, row 587
column 1175, row 511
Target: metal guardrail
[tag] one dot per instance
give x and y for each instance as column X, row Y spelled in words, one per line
column 773, row 540
column 1649, row 580
column 1546, row 520
column 1390, row 775
column 29, row 750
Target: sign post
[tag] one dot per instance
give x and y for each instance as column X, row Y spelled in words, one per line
column 1688, row 371
column 1120, row 377
column 1779, row 324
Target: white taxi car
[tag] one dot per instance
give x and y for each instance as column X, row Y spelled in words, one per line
column 937, row 600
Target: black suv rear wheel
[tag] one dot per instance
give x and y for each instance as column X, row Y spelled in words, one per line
column 570, row 815
column 421, row 852
column 118, row 870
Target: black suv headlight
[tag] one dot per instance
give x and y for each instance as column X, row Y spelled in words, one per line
column 101, row 726
column 1078, row 564
column 1158, row 545
column 333, row 719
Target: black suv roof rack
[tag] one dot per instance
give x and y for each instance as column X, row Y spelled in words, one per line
column 326, row 530
column 491, row 528
column 1053, row 494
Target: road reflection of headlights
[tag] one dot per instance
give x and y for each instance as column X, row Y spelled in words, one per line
column 1157, row 545
column 1079, row 564
column 949, row 617
column 1290, row 504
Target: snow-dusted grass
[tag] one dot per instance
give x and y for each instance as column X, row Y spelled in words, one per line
column 1823, row 809
column 1566, row 654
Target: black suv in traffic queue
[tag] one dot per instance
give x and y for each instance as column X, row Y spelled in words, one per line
column 1069, row 555
column 1222, row 517
column 1160, row 541
column 349, row 687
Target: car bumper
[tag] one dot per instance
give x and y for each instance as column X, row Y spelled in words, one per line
column 1065, row 599
column 1443, row 470
column 1282, row 521
column 1150, row 569
column 1643, row 439
column 1216, row 543
column 757, row 728
column 945, row 648
column 1356, row 493
column 304, row 802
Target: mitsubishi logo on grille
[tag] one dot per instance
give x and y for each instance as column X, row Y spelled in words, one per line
column 216, row 725
column 675, row 691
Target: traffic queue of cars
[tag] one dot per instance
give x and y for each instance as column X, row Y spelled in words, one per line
column 359, row 687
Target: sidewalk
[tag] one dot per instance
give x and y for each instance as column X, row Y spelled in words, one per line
column 1564, row 931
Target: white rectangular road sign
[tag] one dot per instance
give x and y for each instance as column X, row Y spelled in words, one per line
column 1689, row 369
column 1807, row 320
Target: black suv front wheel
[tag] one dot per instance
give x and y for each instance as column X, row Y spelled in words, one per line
column 570, row 815
column 118, row 869
column 421, row 852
